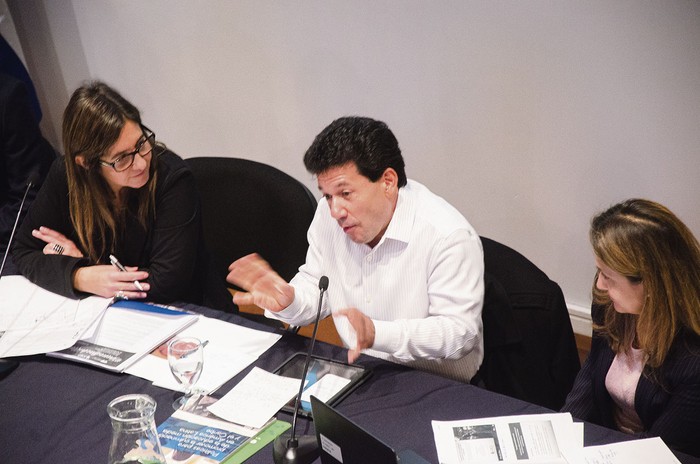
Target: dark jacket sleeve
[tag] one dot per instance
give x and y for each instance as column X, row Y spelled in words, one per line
column 581, row 401
column 671, row 410
column 23, row 151
column 589, row 400
column 49, row 209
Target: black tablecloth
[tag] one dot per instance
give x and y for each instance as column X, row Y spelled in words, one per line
column 54, row 411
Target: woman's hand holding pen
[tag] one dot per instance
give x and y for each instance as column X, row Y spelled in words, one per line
column 108, row 281
column 104, row 280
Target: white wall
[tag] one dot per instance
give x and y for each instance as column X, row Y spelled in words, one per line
column 527, row 116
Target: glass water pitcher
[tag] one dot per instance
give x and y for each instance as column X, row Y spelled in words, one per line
column 134, row 435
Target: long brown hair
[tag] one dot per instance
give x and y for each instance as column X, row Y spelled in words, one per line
column 645, row 242
column 92, row 123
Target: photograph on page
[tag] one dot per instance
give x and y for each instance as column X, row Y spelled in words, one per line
column 517, row 439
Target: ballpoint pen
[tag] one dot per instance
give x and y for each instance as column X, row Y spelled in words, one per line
column 115, row 262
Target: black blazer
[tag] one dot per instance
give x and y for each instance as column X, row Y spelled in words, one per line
column 668, row 408
column 170, row 248
column 529, row 347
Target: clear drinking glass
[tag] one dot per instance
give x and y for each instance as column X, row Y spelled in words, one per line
column 134, row 434
column 186, row 359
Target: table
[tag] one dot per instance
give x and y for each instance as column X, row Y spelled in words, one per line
column 54, row 411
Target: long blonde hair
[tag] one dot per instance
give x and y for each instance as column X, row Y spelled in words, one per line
column 645, row 242
column 92, row 123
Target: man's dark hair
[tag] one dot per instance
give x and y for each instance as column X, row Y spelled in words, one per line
column 368, row 143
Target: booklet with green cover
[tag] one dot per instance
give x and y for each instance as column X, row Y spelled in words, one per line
column 196, row 436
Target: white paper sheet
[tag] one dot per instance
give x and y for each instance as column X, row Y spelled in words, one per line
column 230, row 349
column 256, row 398
column 34, row 320
column 325, row 388
column 626, row 452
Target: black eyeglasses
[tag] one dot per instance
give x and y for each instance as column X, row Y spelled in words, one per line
column 143, row 148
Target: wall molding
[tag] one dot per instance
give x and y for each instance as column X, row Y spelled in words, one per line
column 580, row 319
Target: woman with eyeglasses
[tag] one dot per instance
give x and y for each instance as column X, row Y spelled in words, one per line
column 116, row 193
column 642, row 375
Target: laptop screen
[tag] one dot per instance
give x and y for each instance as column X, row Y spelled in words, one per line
column 343, row 441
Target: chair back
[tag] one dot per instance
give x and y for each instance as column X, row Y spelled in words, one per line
column 249, row 207
column 529, row 346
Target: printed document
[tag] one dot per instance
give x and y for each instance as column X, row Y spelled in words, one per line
column 34, row 320
column 536, row 438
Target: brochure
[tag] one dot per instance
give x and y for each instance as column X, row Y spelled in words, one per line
column 195, row 436
column 125, row 332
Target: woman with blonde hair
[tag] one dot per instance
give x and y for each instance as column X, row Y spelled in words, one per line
column 642, row 375
column 116, row 193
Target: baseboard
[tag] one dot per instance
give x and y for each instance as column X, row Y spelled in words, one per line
column 580, row 319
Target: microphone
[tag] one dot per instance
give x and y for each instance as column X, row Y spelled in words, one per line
column 288, row 449
column 32, row 180
column 7, row 365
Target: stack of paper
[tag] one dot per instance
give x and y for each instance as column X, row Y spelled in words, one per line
column 124, row 333
column 89, row 330
column 230, row 349
column 536, row 439
column 34, row 320
column 119, row 336
column 539, row 438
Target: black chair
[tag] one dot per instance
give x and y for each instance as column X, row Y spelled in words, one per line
column 249, row 207
column 529, row 346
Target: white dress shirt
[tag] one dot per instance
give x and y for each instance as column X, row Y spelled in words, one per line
column 422, row 284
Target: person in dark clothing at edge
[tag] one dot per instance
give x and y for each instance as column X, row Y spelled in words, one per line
column 24, row 153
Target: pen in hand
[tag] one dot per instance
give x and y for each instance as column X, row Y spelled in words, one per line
column 115, row 262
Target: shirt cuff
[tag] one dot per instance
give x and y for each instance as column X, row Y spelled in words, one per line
column 289, row 313
column 387, row 336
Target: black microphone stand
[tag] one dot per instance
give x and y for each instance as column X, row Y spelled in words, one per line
column 288, row 449
column 30, row 183
column 7, row 365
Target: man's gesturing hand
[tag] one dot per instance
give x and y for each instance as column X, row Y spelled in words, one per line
column 265, row 288
column 364, row 329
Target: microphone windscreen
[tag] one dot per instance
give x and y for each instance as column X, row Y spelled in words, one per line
column 33, row 179
column 323, row 283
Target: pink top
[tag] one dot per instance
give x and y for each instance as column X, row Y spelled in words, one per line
column 621, row 382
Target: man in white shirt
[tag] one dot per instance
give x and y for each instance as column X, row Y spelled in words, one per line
column 405, row 267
